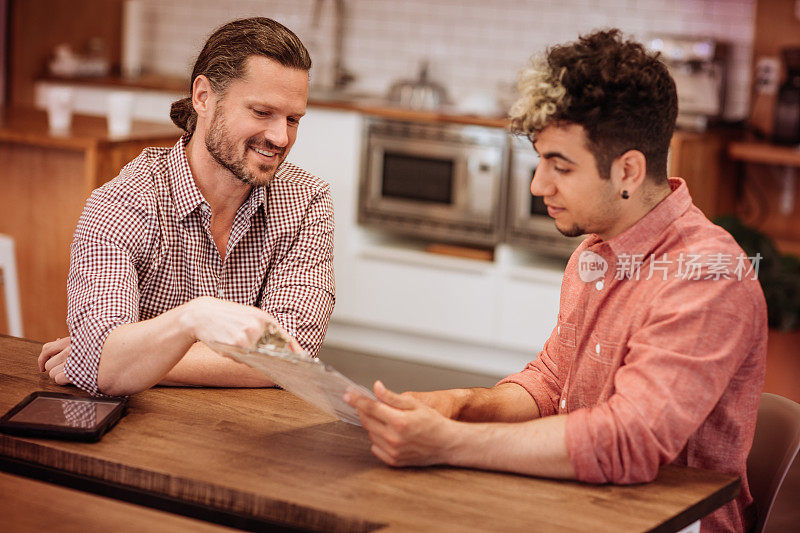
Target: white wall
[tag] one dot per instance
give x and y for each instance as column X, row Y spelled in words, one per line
column 474, row 45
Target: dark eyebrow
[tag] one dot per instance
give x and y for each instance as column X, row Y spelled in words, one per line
column 559, row 155
column 551, row 155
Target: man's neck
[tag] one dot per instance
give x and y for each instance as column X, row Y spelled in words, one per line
column 222, row 190
column 641, row 204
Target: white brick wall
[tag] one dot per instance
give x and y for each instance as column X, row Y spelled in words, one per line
column 473, row 45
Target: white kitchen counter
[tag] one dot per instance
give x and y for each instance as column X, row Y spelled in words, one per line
column 395, row 299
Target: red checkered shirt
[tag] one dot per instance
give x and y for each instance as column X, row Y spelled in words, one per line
column 143, row 246
column 656, row 362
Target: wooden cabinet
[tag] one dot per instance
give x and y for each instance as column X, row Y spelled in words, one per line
column 36, row 27
column 701, row 159
column 769, row 175
column 44, row 183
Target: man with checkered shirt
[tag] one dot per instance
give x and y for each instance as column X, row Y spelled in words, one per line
column 217, row 238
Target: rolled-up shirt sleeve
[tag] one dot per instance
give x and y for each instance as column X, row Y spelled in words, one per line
column 678, row 366
column 102, row 286
column 541, row 377
column 299, row 290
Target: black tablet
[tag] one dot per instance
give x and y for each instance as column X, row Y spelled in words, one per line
column 63, row 416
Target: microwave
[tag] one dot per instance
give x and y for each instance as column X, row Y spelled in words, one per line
column 443, row 182
column 527, row 221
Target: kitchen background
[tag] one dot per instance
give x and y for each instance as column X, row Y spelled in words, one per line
column 413, row 318
column 473, row 45
column 474, row 49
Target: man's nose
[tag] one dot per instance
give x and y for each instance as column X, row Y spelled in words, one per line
column 540, row 185
column 277, row 132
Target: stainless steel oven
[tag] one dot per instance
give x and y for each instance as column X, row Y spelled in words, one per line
column 438, row 181
column 527, row 220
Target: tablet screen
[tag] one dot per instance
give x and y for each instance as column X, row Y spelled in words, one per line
column 73, row 413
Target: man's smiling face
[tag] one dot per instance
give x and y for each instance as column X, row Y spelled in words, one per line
column 255, row 121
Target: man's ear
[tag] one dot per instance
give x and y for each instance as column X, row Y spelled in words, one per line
column 202, row 96
column 629, row 171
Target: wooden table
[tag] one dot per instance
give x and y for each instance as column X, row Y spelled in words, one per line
column 44, row 184
column 254, row 456
column 30, row 505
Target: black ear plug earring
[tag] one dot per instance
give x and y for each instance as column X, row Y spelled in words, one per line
column 625, row 195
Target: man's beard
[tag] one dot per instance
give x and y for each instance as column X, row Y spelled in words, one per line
column 574, row 231
column 226, row 153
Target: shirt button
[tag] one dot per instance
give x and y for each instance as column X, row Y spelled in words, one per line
column 563, row 403
column 597, row 348
column 599, row 285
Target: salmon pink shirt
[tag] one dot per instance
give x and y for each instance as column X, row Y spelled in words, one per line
column 659, row 353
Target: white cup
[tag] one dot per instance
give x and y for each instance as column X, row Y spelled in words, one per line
column 59, row 109
column 119, row 113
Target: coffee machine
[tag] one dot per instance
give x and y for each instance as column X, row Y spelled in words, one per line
column 786, row 128
column 698, row 66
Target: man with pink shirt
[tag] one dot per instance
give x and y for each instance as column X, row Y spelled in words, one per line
column 658, row 355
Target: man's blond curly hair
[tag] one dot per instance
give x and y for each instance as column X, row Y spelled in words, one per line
column 541, row 95
column 622, row 95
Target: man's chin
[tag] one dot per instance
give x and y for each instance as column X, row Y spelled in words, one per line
column 260, row 180
column 260, row 176
column 573, row 231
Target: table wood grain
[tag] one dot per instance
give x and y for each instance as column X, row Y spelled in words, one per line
column 33, row 506
column 263, row 453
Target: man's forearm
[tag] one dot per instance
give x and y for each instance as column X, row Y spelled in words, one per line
column 137, row 356
column 536, row 448
column 203, row 367
column 507, row 402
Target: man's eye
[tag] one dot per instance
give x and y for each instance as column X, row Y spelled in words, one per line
column 293, row 120
column 259, row 113
column 561, row 170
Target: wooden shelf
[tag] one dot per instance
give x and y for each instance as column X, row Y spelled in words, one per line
column 368, row 105
column 764, row 153
column 150, row 82
column 29, row 127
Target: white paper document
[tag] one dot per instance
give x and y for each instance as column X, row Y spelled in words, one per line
column 310, row 379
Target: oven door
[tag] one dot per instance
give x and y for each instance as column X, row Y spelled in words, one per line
column 432, row 180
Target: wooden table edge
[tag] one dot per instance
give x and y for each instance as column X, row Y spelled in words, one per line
column 702, row 509
column 317, row 519
column 32, row 465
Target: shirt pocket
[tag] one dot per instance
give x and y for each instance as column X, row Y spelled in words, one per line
column 603, row 348
column 592, row 376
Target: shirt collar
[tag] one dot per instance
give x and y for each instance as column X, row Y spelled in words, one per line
column 645, row 234
column 254, row 200
column 186, row 195
column 185, row 192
